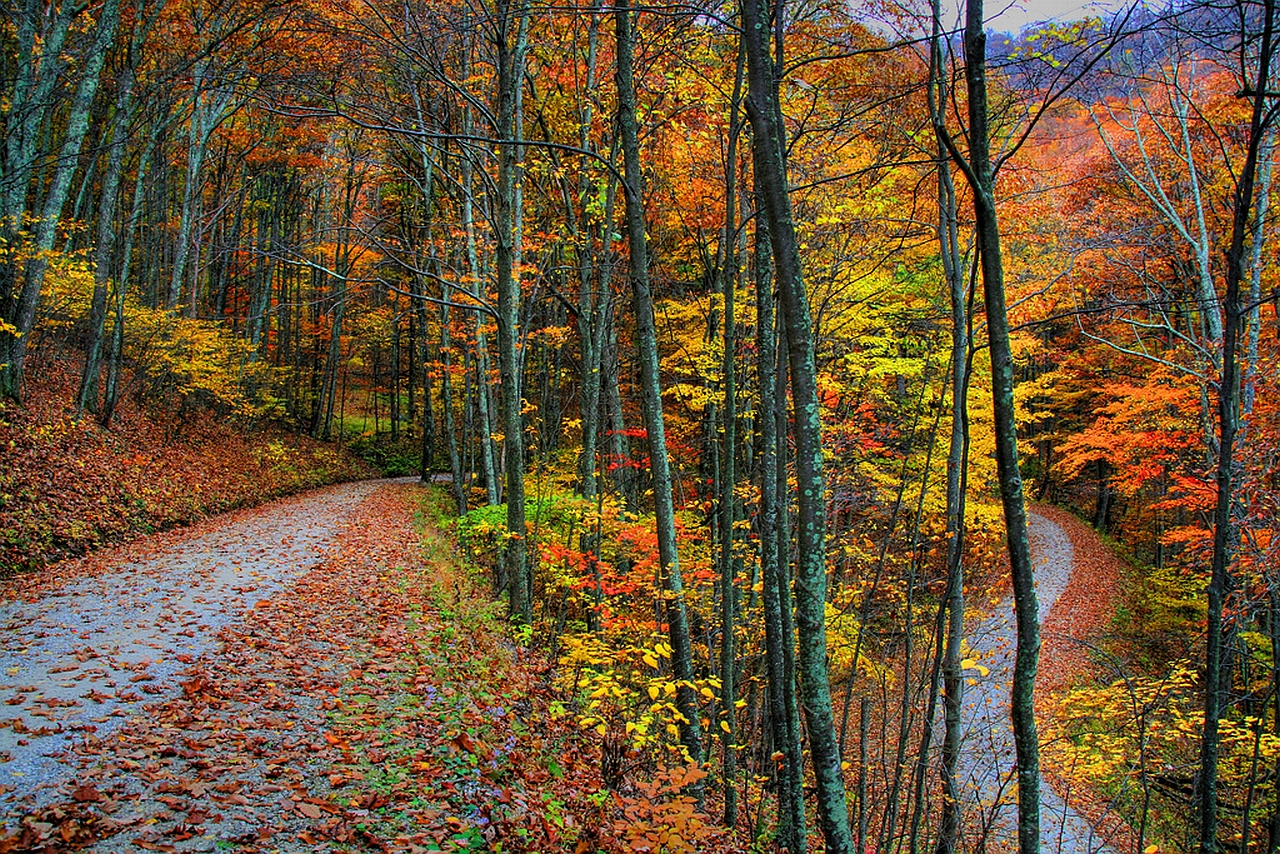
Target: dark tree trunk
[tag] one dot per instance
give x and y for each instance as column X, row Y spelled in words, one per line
column 647, row 353
column 1225, row 534
column 811, row 570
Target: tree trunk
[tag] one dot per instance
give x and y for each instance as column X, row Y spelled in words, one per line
column 1225, row 534
column 953, row 268
column 779, row 639
column 647, row 352
column 87, row 398
column 510, row 57
column 982, row 181
column 811, row 567
column 728, row 474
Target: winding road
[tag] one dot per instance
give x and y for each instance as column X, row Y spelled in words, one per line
column 987, row 765
column 84, row 658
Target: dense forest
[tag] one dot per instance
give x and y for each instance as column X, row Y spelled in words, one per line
column 744, row 335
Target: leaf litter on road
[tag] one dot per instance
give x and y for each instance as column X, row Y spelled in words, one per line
column 371, row 705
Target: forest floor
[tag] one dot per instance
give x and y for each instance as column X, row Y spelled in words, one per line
column 320, row 674
column 69, row 486
column 194, row 705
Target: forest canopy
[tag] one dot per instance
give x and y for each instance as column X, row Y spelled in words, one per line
column 744, row 334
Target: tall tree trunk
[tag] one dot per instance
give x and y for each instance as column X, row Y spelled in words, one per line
column 728, row 476
column 1266, row 154
column 779, row 638
column 209, row 107
column 624, row 476
column 510, row 56
column 483, row 411
column 650, row 378
column 1225, row 534
column 446, row 401
column 764, row 109
column 980, row 173
column 87, row 398
column 594, row 284
column 953, row 268
column 115, row 357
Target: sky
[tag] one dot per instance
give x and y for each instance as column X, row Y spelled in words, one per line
column 1013, row 15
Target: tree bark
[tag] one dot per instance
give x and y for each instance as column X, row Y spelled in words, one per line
column 779, row 638
column 650, row 378
column 510, row 60
column 1225, row 534
column 764, row 110
column 979, row 170
column 87, row 398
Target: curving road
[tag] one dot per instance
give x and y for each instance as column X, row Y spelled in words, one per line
column 987, row 765
column 87, row 656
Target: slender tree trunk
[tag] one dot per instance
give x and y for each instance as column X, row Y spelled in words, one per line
column 779, row 639
column 728, row 474
column 624, row 477
column 115, row 358
column 333, row 360
column 811, row 570
column 982, row 181
column 87, row 398
column 647, row 352
column 510, row 58
column 446, row 401
column 1257, row 239
column 594, row 284
column 486, row 428
column 953, row 268
column 1225, row 534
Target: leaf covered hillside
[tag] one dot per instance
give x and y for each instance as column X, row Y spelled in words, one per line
column 69, row 486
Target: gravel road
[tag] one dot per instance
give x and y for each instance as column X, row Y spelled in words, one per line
column 85, row 657
column 987, row 766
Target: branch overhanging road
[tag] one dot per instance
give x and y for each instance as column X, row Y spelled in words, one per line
column 987, row 764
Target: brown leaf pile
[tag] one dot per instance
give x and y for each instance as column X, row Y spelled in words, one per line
column 1082, row 614
column 70, row 486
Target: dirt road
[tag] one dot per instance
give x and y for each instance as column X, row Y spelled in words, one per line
column 987, row 764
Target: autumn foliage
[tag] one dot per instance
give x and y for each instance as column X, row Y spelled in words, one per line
column 292, row 231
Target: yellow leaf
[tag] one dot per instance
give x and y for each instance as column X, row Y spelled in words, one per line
column 653, row 692
column 724, row 726
column 650, row 660
column 601, row 728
